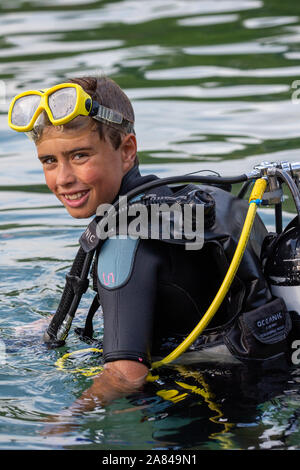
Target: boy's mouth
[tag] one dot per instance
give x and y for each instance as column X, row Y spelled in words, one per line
column 75, row 199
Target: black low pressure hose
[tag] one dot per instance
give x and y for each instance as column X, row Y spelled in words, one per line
column 284, row 176
column 190, row 178
column 187, row 179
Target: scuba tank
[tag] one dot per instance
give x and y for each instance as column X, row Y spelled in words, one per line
column 281, row 252
column 282, row 266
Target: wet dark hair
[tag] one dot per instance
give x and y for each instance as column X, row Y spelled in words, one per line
column 109, row 94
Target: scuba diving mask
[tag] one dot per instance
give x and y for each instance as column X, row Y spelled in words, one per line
column 62, row 103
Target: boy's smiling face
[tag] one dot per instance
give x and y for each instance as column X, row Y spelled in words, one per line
column 82, row 170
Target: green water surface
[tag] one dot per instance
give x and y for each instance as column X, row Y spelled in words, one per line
column 214, row 86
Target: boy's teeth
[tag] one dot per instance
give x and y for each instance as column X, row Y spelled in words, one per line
column 74, row 196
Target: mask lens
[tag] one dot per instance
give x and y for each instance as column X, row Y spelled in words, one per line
column 23, row 110
column 62, row 102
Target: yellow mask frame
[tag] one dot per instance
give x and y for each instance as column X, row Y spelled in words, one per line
column 84, row 105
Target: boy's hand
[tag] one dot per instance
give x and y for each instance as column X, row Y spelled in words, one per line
column 35, row 327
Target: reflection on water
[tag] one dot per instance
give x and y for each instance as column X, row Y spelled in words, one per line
column 212, row 86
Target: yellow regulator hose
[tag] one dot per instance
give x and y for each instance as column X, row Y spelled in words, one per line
column 254, row 200
column 89, row 371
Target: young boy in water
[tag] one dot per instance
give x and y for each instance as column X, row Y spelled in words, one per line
column 144, row 285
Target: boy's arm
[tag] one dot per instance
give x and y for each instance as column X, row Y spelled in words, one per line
column 118, row 379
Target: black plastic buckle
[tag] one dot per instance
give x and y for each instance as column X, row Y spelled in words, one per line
column 78, row 285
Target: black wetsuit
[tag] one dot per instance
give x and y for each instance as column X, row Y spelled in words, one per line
column 154, row 293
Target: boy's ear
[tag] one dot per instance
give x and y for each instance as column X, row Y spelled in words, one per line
column 128, row 150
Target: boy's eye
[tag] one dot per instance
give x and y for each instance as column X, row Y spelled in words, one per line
column 48, row 160
column 79, row 156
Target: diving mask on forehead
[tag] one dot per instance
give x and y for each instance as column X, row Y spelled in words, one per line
column 62, row 103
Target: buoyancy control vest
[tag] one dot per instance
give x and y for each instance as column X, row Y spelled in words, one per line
column 259, row 323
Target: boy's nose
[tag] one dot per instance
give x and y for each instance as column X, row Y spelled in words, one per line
column 65, row 175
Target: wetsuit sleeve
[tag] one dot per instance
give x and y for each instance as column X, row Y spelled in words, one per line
column 127, row 285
